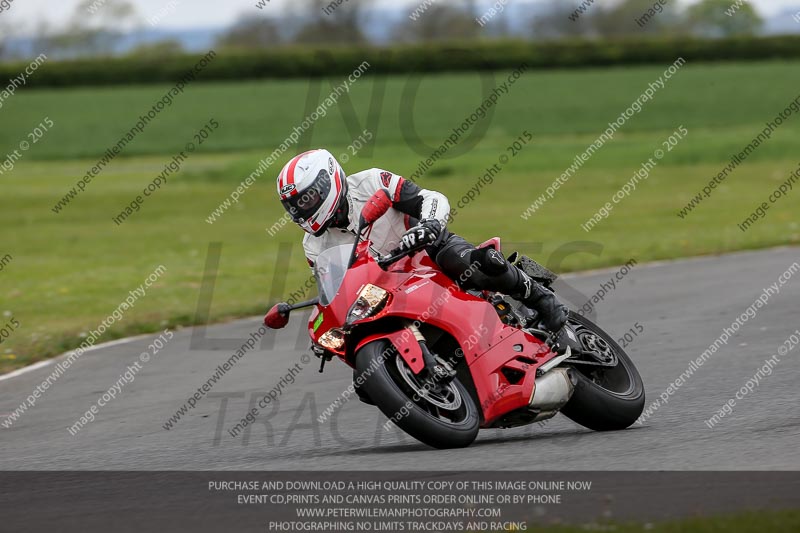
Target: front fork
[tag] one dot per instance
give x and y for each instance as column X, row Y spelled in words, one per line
column 439, row 370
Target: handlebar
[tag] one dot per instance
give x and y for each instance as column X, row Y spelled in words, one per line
column 387, row 260
column 397, row 254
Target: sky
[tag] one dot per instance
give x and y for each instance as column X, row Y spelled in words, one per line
column 187, row 14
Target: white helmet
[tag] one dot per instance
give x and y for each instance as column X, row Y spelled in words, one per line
column 311, row 186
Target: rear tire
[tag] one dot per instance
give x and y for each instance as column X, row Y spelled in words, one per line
column 608, row 399
column 382, row 379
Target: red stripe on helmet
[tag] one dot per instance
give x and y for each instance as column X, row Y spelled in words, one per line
column 292, row 164
column 282, row 183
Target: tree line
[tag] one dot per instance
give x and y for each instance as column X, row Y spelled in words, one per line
column 98, row 27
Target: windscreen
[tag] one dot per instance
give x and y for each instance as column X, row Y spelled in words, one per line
column 329, row 269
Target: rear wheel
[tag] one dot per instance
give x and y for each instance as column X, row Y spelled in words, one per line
column 442, row 416
column 609, row 394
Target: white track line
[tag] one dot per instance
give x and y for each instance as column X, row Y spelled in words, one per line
column 26, row 369
column 42, row 364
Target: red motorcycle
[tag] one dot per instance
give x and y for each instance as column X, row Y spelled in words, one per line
column 442, row 362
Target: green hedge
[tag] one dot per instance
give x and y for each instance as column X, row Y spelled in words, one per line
column 486, row 55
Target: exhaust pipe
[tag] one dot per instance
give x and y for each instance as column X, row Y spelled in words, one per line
column 553, row 390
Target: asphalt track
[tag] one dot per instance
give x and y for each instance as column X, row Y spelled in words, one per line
column 683, row 307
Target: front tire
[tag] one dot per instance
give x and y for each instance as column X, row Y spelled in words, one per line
column 446, row 419
column 605, row 399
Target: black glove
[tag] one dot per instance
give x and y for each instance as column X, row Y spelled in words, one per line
column 423, row 234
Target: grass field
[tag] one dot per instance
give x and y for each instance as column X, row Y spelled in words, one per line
column 70, row 270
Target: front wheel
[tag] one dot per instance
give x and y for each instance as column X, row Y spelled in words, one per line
column 609, row 394
column 442, row 416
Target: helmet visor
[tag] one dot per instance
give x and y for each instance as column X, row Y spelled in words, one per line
column 306, row 203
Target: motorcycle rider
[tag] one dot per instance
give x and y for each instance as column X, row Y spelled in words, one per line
column 326, row 203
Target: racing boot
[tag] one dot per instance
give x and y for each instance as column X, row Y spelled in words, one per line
column 550, row 311
column 509, row 279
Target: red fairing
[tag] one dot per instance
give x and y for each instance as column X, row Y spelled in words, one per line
column 406, row 344
column 501, row 359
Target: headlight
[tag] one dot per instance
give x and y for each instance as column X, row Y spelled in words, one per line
column 332, row 339
column 370, row 300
